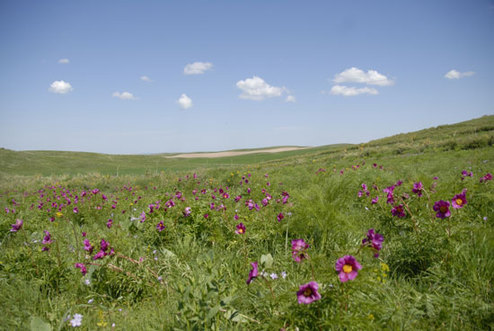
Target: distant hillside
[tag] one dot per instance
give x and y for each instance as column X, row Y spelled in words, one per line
column 477, row 133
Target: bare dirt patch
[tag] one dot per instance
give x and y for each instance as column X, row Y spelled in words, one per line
column 235, row 153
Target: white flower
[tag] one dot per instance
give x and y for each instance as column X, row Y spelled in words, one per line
column 90, row 301
column 283, row 274
column 273, row 276
column 87, row 282
column 76, row 321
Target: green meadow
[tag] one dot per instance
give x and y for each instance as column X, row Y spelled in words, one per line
column 253, row 242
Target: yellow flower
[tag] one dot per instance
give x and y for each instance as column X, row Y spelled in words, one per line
column 371, row 317
column 59, row 214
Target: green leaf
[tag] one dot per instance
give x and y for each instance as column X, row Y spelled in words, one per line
column 267, row 260
column 37, row 324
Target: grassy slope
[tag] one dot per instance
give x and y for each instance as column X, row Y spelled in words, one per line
column 443, row 284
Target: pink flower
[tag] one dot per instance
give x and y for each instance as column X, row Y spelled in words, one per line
column 254, row 272
column 299, row 249
column 240, row 228
column 348, row 268
column 17, row 225
column 307, row 293
column 459, row 200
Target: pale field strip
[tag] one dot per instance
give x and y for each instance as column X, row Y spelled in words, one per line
column 235, row 153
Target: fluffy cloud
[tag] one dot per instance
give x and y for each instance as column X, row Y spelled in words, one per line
column 453, row 74
column 63, row 61
column 356, row 75
column 146, row 79
column 124, row 95
column 184, row 101
column 60, row 87
column 197, row 68
column 290, row 98
column 352, row 91
column 256, row 88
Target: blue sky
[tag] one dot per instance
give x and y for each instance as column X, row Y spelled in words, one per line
column 237, row 74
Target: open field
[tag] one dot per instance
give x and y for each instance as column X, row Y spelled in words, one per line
column 256, row 241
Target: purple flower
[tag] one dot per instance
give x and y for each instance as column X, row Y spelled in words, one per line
column 442, row 209
column 187, row 211
column 82, row 267
column 348, row 268
column 459, row 200
column 161, row 226
column 87, row 246
column 299, row 248
column 398, row 211
column 240, row 228
column 374, row 239
column 307, row 293
column 280, row 217
column 109, row 223
column 104, row 245
column 99, row 255
column 486, row 178
column 253, row 272
column 417, row 188
column 47, row 238
column 375, row 200
column 17, row 225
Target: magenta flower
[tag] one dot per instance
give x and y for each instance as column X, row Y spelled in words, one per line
column 104, row 245
column 307, row 293
column 99, row 255
column 187, row 211
column 17, row 225
column 442, row 209
column 459, row 200
column 47, row 238
column 82, row 267
column 299, row 249
column 486, row 178
column 253, row 272
column 161, row 226
column 375, row 240
column 109, row 223
column 240, row 228
column 87, row 246
column 348, row 268
column 417, row 188
column 280, row 217
column 398, row 211
column 375, row 200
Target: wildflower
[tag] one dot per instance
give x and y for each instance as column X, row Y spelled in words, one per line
column 109, row 223
column 87, row 282
column 307, row 293
column 82, row 267
column 17, row 226
column 375, row 200
column 206, row 216
column 160, row 226
column 76, row 321
column 273, row 276
column 99, row 255
column 187, row 211
column 87, row 246
column 417, row 188
column 486, row 178
column 348, row 268
column 104, row 245
column 375, row 240
column 299, row 248
column 75, row 210
column 398, row 211
column 459, row 200
column 283, row 274
column 442, row 209
column 280, row 217
column 240, row 228
column 254, row 272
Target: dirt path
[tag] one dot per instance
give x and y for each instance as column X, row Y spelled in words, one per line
column 235, row 153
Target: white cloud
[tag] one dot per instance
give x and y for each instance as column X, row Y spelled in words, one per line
column 352, row 91
column 63, row 61
column 197, row 68
column 146, row 79
column 124, row 95
column 184, row 101
column 60, row 87
column 356, row 75
column 290, row 98
column 256, row 88
column 453, row 74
